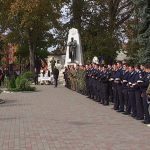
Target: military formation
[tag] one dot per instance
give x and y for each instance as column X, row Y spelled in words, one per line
column 126, row 86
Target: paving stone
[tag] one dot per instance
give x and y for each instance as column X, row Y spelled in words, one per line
column 61, row 119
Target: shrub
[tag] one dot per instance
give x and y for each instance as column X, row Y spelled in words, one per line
column 21, row 83
column 28, row 75
column 12, row 82
column 7, row 82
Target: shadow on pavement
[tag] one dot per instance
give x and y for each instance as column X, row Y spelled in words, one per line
column 12, row 103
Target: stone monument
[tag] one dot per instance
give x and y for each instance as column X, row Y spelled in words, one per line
column 74, row 53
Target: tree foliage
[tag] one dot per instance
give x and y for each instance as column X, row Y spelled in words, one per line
column 29, row 22
column 99, row 23
column 143, row 28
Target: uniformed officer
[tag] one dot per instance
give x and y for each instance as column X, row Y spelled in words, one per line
column 144, row 87
column 139, row 102
column 87, row 79
column 76, row 77
column 110, row 70
column 94, row 77
column 105, row 86
column 132, row 101
column 99, row 87
column 90, row 81
column 114, row 87
column 124, row 87
column 118, row 79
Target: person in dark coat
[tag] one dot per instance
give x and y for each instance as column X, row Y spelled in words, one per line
column 105, row 86
column 35, row 76
column 144, row 86
column 56, row 74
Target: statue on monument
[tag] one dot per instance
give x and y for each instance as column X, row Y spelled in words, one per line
column 72, row 49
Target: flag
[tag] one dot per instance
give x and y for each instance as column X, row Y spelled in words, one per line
column 102, row 61
column 42, row 62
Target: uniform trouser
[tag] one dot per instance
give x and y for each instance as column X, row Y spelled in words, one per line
column 90, row 86
column 139, row 104
column 76, row 84
column 67, row 83
column 132, row 102
column 105, row 91
column 87, row 85
column 94, row 87
column 126, row 98
column 36, row 80
column 116, row 100
column 120, row 97
column 146, row 105
column 110, row 92
column 55, row 82
column 98, row 88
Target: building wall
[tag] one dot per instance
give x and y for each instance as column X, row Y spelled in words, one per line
column 9, row 51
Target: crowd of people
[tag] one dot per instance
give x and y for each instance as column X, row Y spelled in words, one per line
column 127, row 86
column 4, row 73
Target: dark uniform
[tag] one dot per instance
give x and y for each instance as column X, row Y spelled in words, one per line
column 99, row 85
column 110, row 70
column 119, row 75
column 105, row 88
column 144, row 87
column 115, row 92
column 94, row 77
column 125, row 88
column 132, row 101
column 139, row 103
column 87, row 81
column 91, row 83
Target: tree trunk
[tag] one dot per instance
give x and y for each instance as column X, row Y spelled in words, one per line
column 32, row 52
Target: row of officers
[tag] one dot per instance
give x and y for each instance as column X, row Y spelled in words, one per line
column 127, row 86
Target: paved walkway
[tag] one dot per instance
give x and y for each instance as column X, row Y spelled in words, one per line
column 60, row 119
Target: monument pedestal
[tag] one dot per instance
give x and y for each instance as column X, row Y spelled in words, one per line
column 73, row 33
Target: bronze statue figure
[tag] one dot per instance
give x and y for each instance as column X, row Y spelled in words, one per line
column 72, row 49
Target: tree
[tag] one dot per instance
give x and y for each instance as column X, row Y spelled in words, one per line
column 1, row 49
column 100, row 22
column 30, row 21
column 143, row 27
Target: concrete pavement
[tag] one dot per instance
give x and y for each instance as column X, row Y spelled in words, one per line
column 61, row 119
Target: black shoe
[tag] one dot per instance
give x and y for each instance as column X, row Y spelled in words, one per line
column 86, row 94
column 126, row 113
column 92, row 97
column 102, row 102
column 133, row 116
column 138, row 118
column 89, row 96
column 120, row 111
column 105, row 104
column 98, row 100
column 146, row 122
column 95, row 98
column 116, row 108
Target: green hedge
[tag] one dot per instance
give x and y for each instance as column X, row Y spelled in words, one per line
column 21, row 83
